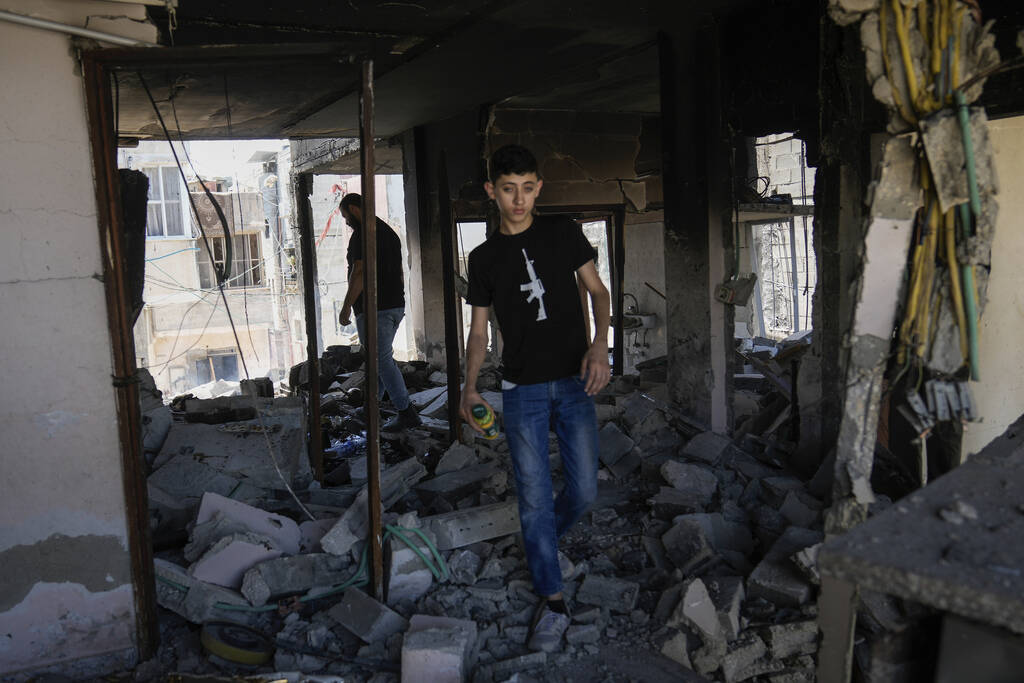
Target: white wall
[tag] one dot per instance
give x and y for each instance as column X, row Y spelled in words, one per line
column 1000, row 393
column 65, row 588
column 645, row 262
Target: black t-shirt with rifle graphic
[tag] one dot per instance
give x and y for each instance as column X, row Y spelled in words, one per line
column 530, row 281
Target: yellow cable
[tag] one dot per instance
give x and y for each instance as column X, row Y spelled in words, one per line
column 954, row 279
column 883, row 29
column 956, row 48
column 908, row 62
column 935, row 43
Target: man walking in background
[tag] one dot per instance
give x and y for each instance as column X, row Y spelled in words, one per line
column 390, row 307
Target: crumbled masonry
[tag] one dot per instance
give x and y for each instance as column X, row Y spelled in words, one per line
column 700, row 553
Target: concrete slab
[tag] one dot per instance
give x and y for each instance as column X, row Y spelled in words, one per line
column 283, row 531
column 227, row 560
column 366, row 618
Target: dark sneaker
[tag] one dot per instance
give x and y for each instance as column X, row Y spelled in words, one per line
column 406, row 419
column 547, row 630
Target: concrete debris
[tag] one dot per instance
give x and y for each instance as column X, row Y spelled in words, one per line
column 227, row 560
column 352, row 527
column 707, row 447
column 615, row 594
column 613, row 444
column 274, row 579
column 705, row 552
column 366, row 618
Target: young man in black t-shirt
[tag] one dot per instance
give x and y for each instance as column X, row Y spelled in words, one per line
column 390, row 306
column 531, row 272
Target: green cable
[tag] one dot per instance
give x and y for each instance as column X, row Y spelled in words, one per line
column 359, row 578
column 970, row 303
column 972, row 177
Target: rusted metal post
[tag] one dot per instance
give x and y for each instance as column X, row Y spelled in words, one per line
column 308, row 253
column 451, row 331
column 370, row 325
column 103, row 139
column 619, row 290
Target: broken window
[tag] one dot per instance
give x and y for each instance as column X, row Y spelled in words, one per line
column 218, row 364
column 246, row 262
column 165, row 217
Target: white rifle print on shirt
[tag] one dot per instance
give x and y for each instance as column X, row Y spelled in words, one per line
column 535, row 288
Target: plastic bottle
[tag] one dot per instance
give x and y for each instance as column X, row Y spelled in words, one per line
column 484, row 417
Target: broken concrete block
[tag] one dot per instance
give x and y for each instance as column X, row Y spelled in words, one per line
column 687, row 546
column 664, row 440
column 187, row 476
column 626, row 465
column 352, row 526
column 284, row 532
column 311, row 532
column 775, row 489
column 798, row 510
column 696, row 482
column 740, row 656
column 194, row 600
column 677, row 648
column 722, row 535
column 437, row 654
column 465, row 527
column 455, row 485
column 285, row 576
column 584, row 633
column 366, row 618
column 615, row 594
column 670, row 503
column 464, row 565
column 786, row 640
column 807, row 562
column 636, row 409
column 667, row 602
column 696, row 610
column 408, row 577
column 727, row 594
column 780, row 583
column 227, row 560
column 613, row 444
column 707, row 447
column 457, row 457
column 500, row 671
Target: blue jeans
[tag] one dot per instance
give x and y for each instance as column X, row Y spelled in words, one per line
column 388, row 375
column 528, row 411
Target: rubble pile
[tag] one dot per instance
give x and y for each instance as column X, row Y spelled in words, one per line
column 698, row 549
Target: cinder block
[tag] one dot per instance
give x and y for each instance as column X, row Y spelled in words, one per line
column 457, row 457
column 687, row 546
column 284, row 532
column 284, row 576
column 366, row 618
column 465, row 527
column 409, row 578
column 707, row 447
column 742, row 655
column 696, row 610
column 195, row 600
column 227, row 560
column 693, row 480
column 438, row 649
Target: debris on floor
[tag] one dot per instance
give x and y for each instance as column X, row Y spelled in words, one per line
column 698, row 555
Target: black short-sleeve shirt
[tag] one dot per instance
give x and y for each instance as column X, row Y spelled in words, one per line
column 529, row 279
column 390, row 278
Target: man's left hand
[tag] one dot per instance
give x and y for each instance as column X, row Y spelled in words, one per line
column 345, row 317
column 595, row 369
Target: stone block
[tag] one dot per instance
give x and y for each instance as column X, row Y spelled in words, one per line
column 687, row 546
column 366, row 618
column 697, row 611
column 613, row 444
column 408, row 577
column 800, row 509
column 615, row 594
column 274, row 579
column 787, row 640
column 727, row 594
column 352, row 527
column 284, row 532
column 457, row 457
column 697, row 482
column 194, row 600
column 465, row 527
column 438, row 649
column 740, row 656
column 706, row 447
column 227, row 560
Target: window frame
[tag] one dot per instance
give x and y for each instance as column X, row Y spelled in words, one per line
column 186, row 223
column 248, row 263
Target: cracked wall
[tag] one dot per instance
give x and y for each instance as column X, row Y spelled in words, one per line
column 67, row 594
